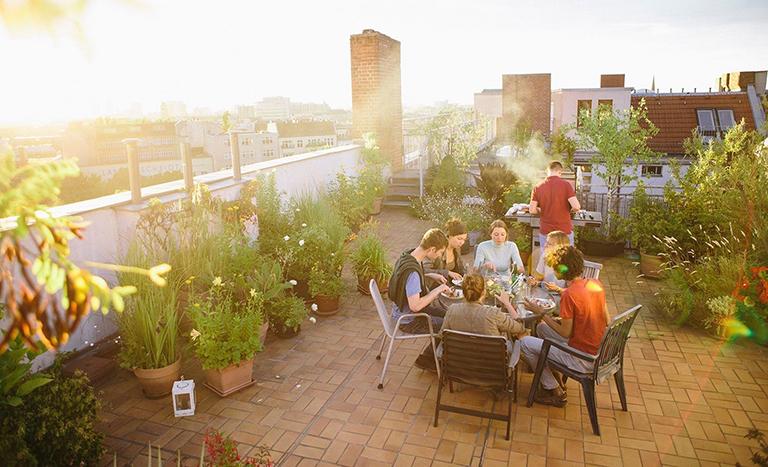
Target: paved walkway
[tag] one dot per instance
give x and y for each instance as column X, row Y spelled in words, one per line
column 691, row 399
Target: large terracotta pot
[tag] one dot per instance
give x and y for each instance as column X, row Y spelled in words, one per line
column 362, row 285
column 650, row 266
column 230, row 379
column 158, row 382
column 263, row 329
column 326, row 305
column 376, row 210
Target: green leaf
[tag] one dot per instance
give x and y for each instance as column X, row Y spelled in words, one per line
column 32, row 384
column 14, row 401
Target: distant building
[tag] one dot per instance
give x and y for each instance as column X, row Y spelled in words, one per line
column 246, row 111
column 488, row 102
column 274, row 108
column 255, row 146
column 27, row 148
column 173, row 109
column 308, row 109
column 300, row 137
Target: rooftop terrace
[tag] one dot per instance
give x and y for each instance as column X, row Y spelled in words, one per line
column 691, row 398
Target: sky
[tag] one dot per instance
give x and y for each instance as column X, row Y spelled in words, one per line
column 223, row 53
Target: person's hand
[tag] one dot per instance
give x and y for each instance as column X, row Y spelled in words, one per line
column 532, row 281
column 552, row 287
column 504, row 297
column 536, row 309
column 454, row 275
column 490, row 265
column 436, row 277
column 444, row 289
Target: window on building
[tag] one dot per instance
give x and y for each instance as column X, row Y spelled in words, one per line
column 135, row 129
column 145, row 155
column 159, row 127
column 605, row 105
column 246, row 142
column 651, row 171
column 300, row 143
column 582, row 108
column 267, row 140
column 268, row 153
column 726, row 118
column 706, row 119
column 227, row 156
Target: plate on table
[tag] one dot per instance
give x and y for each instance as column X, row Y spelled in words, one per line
column 457, row 282
column 545, row 303
column 457, row 294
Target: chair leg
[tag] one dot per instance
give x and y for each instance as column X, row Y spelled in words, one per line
column 381, row 349
column 619, row 378
column 515, row 377
column 386, row 361
column 450, row 386
column 543, row 356
column 589, row 398
column 439, row 397
column 509, row 412
column 434, row 353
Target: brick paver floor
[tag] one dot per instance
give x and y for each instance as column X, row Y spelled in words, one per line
column 691, row 399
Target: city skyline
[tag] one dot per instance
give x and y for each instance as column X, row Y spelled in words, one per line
column 222, row 55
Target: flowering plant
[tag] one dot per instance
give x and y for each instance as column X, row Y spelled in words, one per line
column 369, row 254
column 287, row 312
column 752, row 291
column 222, row 452
column 226, row 328
column 325, row 279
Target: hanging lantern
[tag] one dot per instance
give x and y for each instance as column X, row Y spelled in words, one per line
column 184, row 398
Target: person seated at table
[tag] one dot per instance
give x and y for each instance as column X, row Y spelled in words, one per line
column 448, row 265
column 497, row 254
column 544, row 275
column 584, row 318
column 472, row 316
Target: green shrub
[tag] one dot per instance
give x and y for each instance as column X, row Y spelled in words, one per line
column 494, row 181
column 450, row 180
column 288, row 311
column 440, row 209
column 55, row 426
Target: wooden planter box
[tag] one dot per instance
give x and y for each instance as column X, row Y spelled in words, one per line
column 601, row 248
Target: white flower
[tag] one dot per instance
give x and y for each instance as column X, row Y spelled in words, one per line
column 293, row 282
column 217, row 281
column 253, row 292
column 301, row 242
column 303, row 224
column 194, row 334
column 312, row 320
column 314, row 307
column 286, row 238
column 332, row 254
column 297, row 209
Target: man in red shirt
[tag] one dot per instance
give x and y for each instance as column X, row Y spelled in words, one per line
column 584, row 318
column 554, row 199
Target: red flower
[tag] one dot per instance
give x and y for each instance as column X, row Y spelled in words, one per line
column 743, row 283
column 756, row 271
column 762, row 287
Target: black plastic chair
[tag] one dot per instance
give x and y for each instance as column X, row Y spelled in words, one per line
column 608, row 362
column 476, row 360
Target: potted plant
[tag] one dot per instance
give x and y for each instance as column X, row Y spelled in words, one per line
column 149, row 337
column 286, row 315
column 270, row 283
column 595, row 242
column 226, row 336
column 326, row 287
column 521, row 236
column 369, row 259
column 372, row 179
column 649, row 221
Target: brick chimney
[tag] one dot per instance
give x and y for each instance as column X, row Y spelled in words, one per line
column 376, row 97
column 612, row 81
column 525, row 100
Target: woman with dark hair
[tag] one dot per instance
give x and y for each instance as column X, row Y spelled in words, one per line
column 449, row 265
column 472, row 316
column 498, row 254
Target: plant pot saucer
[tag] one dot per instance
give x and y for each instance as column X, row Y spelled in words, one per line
column 326, row 313
column 231, row 391
column 156, row 396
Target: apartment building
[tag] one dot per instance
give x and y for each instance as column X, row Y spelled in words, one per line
column 298, row 137
column 274, row 108
column 255, row 146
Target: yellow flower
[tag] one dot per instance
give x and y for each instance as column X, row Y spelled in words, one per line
column 197, row 305
column 217, row 281
column 253, row 292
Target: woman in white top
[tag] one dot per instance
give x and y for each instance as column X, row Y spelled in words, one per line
column 545, row 275
column 497, row 254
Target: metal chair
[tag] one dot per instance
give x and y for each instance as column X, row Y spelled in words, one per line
column 476, row 360
column 392, row 328
column 608, row 361
column 591, row 270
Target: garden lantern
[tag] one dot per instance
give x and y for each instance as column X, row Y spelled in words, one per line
column 183, row 398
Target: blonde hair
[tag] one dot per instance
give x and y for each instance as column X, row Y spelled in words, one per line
column 558, row 237
column 474, row 286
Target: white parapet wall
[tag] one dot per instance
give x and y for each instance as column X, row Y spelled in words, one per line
column 112, row 219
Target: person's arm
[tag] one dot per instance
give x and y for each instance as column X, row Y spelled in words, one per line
column 437, row 277
column 431, row 266
column 574, row 202
column 416, row 302
column 504, row 299
column 534, row 207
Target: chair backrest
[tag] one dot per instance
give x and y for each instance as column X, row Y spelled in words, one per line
column 475, row 359
column 611, row 351
column 386, row 318
column 591, row 270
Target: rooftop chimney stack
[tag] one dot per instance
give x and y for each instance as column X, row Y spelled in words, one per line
column 612, row 81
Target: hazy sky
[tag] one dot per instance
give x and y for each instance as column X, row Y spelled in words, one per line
column 221, row 53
